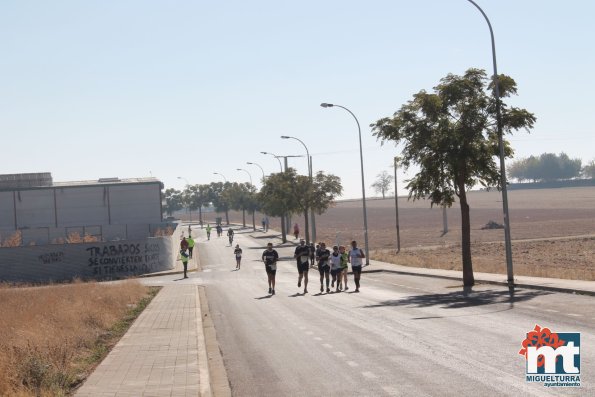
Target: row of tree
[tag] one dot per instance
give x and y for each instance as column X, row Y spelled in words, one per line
column 549, row 167
column 283, row 193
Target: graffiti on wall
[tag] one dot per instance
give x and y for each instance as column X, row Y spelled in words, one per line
column 117, row 259
column 51, row 257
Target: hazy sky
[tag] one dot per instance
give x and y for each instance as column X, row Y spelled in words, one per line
column 130, row 88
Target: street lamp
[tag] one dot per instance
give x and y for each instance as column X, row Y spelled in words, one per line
column 312, row 216
column 246, row 171
column 221, row 175
column 187, row 186
column 397, row 207
column 361, row 156
column 275, row 156
column 263, row 177
column 508, row 244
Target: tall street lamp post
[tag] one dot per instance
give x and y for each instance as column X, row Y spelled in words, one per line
column 397, row 207
column 277, row 157
column 508, row 244
column 221, row 175
column 249, row 175
column 263, row 176
column 361, row 156
column 312, row 216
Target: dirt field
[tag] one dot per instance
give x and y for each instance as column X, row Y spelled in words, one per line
column 552, row 214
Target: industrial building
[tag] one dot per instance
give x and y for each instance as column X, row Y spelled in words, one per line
column 33, row 201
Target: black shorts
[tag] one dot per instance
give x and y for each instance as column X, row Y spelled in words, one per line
column 356, row 269
column 270, row 270
column 303, row 267
column 324, row 269
column 335, row 272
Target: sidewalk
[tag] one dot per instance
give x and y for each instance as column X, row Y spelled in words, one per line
column 162, row 354
column 542, row 283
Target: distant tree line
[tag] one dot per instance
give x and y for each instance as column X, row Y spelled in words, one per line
column 549, row 167
column 283, row 193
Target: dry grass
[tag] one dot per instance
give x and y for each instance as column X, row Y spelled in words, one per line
column 159, row 232
column 14, row 240
column 565, row 258
column 51, row 337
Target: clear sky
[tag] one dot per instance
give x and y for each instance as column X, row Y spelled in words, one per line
column 134, row 88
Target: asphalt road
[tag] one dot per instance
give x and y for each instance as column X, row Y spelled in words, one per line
column 401, row 335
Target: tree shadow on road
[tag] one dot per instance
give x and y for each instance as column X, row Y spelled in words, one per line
column 264, row 297
column 464, row 298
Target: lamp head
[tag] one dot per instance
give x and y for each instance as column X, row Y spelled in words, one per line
column 238, row 169
column 326, row 105
column 247, row 162
column 264, row 152
column 285, row 137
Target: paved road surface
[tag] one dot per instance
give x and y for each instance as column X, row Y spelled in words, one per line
column 402, row 335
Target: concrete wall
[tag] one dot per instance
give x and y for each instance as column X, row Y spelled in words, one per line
column 88, row 260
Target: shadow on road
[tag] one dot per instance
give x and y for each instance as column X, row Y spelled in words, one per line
column 264, row 297
column 464, row 298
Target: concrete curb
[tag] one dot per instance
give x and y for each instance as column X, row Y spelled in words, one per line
column 492, row 282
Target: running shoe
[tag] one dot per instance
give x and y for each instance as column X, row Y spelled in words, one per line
column 273, row 292
column 328, row 290
column 270, row 290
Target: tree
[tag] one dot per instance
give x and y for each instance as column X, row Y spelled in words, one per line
column 383, row 183
column 197, row 197
column 588, row 170
column 451, row 134
column 288, row 192
column 219, row 198
column 173, row 201
column 239, row 197
column 547, row 167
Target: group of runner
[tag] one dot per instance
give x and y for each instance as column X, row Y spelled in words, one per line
column 333, row 264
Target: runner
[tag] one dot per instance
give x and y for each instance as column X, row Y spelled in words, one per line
column 302, row 255
column 296, row 231
column 184, row 244
column 208, row 231
column 191, row 243
column 270, row 257
column 336, row 270
column 184, row 258
column 219, row 230
column 355, row 258
column 312, row 254
column 238, row 253
column 344, row 269
column 230, row 236
column 322, row 256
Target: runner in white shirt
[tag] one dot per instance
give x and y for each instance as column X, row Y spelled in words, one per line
column 336, row 270
column 355, row 258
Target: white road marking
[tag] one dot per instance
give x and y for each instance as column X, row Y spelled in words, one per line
column 551, row 311
column 369, row 375
column 327, row 345
column 339, row 354
column 575, row 315
column 352, row 364
column 317, row 338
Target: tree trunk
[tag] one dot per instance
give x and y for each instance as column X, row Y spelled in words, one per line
column 244, row 216
column 468, row 279
column 306, row 225
column 227, row 216
column 283, row 231
column 200, row 215
column 254, row 220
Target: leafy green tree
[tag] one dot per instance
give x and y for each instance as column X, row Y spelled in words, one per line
column 240, row 196
column 383, row 183
column 275, row 198
column 219, row 197
column 451, row 134
column 173, row 201
column 588, row 170
column 289, row 192
column 197, row 197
